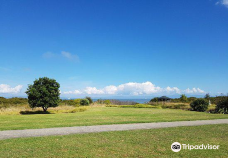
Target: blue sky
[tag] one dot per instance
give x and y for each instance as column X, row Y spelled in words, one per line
column 115, row 48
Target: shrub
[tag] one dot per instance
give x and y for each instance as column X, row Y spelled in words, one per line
column 222, row 107
column 77, row 102
column 199, row 105
column 107, row 102
column 90, row 100
column 84, row 102
column 70, row 103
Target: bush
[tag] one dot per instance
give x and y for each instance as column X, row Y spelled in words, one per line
column 222, row 107
column 69, row 103
column 12, row 102
column 199, row 105
column 90, row 100
column 107, row 102
column 84, row 102
column 77, row 102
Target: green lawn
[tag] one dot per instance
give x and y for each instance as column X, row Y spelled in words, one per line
column 100, row 116
column 139, row 143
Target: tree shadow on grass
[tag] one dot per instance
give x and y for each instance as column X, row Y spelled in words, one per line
column 34, row 112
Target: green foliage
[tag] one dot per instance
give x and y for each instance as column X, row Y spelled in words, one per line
column 199, row 105
column 207, row 96
column 107, row 102
column 216, row 100
column 90, row 100
column 77, row 102
column 178, row 100
column 84, row 102
column 175, row 106
column 4, row 103
column 44, row 93
column 154, row 99
column 183, row 98
column 222, row 106
column 70, row 102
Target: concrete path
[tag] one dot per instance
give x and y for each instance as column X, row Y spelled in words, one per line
column 102, row 128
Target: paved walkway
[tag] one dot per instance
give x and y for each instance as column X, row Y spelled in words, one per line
column 102, row 128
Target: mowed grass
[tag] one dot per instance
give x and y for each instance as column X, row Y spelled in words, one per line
column 139, row 143
column 101, row 116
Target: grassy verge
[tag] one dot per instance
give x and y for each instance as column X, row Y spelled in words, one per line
column 139, row 143
column 101, row 116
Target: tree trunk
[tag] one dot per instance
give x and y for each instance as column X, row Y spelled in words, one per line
column 44, row 108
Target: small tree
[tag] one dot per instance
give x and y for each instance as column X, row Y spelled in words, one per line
column 207, row 96
column 44, row 93
column 199, row 105
column 183, row 98
column 90, row 100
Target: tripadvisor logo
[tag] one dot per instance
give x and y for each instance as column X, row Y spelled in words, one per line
column 176, row 147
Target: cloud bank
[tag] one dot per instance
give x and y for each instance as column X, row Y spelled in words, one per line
column 134, row 89
column 4, row 88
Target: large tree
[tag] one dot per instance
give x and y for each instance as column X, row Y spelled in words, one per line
column 44, row 93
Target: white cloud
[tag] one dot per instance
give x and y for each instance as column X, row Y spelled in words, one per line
column 225, row 3
column 93, row 90
column 134, row 88
column 194, row 91
column 69, row 56
column 222, row 2
column 110, row 89
column 63, row 54
column 174, row 89
column 4, row 88
column 73, row 92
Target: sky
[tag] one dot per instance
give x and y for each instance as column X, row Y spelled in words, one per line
column 115, row 48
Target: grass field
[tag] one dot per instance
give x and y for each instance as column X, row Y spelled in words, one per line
column 101, row 116
column 139, row 143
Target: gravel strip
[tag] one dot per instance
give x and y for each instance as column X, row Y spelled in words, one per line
column 102, row 128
